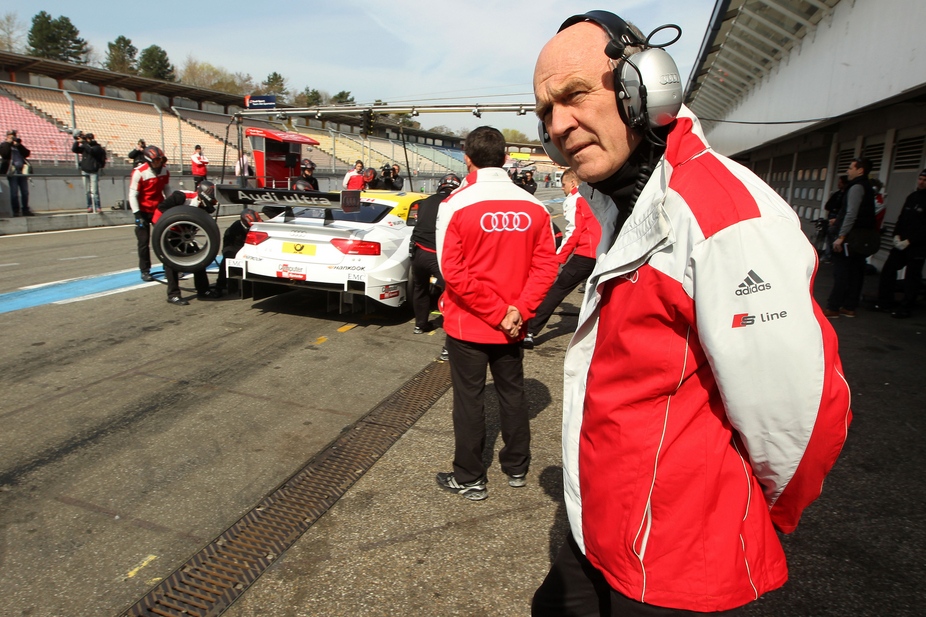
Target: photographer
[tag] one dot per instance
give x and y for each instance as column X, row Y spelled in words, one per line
column 526, row 182
column 92, row 160
column 13, row 155
column 392, row 178
column 138, row 154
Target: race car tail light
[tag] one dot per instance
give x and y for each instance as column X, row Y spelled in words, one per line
column 413, row 214
column 256, row 237
column 356, row 247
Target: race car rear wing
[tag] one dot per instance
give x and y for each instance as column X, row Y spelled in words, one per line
column 347, row 201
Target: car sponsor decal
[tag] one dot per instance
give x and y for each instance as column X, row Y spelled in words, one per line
column 745, row 319
column 285, row 271
column 297, row 200
column 355, row 276
column 355, row 268
column 389, row 291
column 298, row 249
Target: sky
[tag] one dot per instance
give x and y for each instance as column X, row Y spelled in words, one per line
column 421, row 51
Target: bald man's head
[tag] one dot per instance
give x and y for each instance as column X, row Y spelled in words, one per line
column 574, row 90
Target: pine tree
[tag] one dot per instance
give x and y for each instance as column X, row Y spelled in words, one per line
column 154, row 63
column 343, row 98
column 275, row 84
column 73, row 48
column 43, row 40
column 56, row 39
column 121, row 56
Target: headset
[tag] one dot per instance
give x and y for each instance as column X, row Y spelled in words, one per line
column 647, row 84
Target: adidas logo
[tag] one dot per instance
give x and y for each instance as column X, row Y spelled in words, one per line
column 753, row 283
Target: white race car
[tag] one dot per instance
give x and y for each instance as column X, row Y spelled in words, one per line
column 357, row 252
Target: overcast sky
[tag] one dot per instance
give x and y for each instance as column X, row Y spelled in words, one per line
column 426, row 51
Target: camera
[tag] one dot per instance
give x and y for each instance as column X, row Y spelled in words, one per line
column 387, row 172
column 78, row 135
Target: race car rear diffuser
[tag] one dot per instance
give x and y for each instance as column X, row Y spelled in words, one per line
column 216, row 576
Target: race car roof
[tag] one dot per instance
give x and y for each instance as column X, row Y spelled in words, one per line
column 280, row 136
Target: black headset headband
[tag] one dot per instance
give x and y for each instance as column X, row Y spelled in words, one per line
column 616, row 28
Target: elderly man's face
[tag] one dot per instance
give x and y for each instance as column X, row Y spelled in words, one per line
column 574, row 88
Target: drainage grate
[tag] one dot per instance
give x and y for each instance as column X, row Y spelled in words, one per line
column 216, row 576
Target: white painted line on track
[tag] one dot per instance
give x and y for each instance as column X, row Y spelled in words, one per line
column 69, row 231
column 81, row 257
column 5, row 265
column 105, row 293
column 79, row 278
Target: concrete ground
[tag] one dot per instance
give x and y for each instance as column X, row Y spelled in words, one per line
column 397, row 545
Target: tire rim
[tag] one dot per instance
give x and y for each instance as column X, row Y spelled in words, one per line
column 185, row 243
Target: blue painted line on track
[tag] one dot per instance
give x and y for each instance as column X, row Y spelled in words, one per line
column 68, row 290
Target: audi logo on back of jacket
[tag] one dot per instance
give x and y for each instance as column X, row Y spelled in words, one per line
column 505, row 221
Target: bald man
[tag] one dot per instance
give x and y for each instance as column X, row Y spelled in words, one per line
column 704, row 400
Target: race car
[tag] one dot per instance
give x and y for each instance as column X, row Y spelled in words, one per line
column 314, row 240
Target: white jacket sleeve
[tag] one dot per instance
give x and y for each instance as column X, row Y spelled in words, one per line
column 569, row 213
column 133, row 191
column 774, row 356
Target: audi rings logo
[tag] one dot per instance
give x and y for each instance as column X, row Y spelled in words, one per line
column 505, row 221
column 669, row 78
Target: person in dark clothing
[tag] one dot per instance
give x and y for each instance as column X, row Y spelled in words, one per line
column 233, row 241
column 528, row 183
column 857, row 212
column 392, row 178
column 203, row 197
column 424, row 251
column 13, row 155
column 138, row 154
column 909, row 251
column 92, row 160
column 831, row 210
column 308, row 171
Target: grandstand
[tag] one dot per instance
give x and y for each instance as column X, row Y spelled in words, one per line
column 118, row 124
column 45, row 141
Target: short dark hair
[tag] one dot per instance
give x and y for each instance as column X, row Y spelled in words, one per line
column 485, row 147
column 864, row 164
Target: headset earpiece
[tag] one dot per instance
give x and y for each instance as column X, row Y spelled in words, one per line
column 614, row 49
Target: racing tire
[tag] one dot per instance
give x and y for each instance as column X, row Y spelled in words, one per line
column 185, row 239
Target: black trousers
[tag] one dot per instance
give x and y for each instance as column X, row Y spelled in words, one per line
column 912, row 279
column 468, row 362
column 424, row 266
column 849, row 273
column 575, row 588
column 577, row 269
column 200, row 281
column 143, row 235
column 228, row 252
column 197, row 180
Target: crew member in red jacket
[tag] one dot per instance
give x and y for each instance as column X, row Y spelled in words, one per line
column 199, row 161
column 703, row 396
column 582, row 235
column 496, row 253
column 149, row 184
column 353, row 180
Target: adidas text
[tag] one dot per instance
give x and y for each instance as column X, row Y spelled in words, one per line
column 751, row 289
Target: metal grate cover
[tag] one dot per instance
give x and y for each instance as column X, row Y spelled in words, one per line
column 217, row 575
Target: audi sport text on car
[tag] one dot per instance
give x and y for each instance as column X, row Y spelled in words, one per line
column 356, row 252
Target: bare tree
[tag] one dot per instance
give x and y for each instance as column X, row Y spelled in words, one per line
column 12, row 32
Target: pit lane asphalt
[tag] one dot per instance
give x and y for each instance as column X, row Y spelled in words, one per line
column 134, row 431
column 178, row 462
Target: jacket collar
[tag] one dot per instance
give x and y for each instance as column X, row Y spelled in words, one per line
column 648, row 228
column 487, row 174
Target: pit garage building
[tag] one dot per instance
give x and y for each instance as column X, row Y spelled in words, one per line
column 795, row 89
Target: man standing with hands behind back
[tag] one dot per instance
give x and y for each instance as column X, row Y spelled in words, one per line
column 697, row 421
column 496, row 252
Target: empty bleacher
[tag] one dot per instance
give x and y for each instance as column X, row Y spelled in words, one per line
column 43, row 139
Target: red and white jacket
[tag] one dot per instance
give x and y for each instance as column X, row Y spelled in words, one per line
column 147, row 189
column 583, row 233
column 704, row 399
column 353, row 180
column 495, row 249
column 199, row 164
